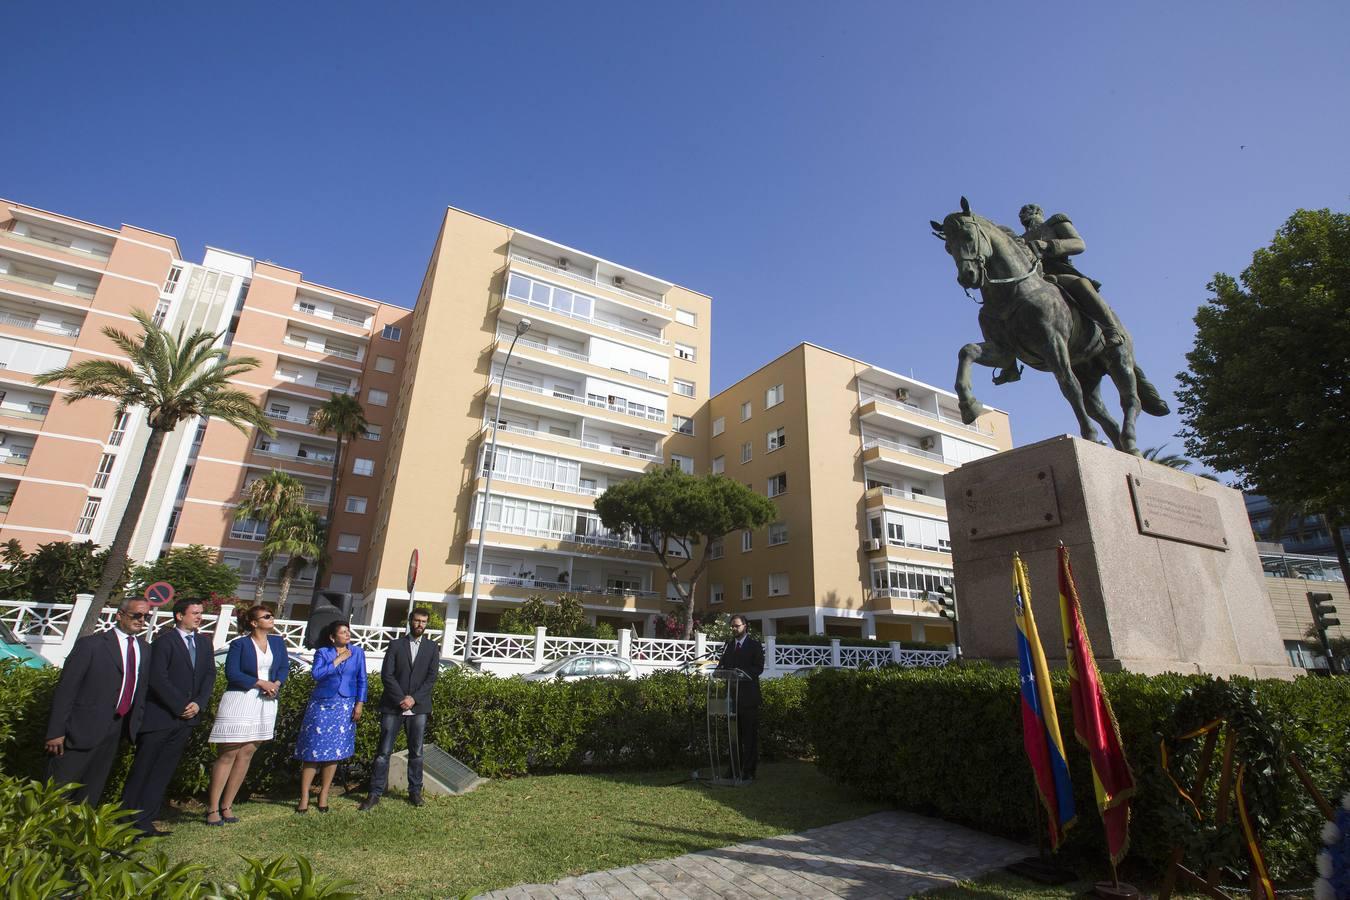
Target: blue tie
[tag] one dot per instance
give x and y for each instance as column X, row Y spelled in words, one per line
column 192, row 649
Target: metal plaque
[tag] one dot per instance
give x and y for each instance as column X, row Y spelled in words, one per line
column 1020, row 502
column 450, row 772
column 1176, row 513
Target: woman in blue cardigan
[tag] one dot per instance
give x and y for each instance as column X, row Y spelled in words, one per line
column 255, row 668
column 328, row 732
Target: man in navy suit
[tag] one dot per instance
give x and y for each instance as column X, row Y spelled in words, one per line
column 99, row 701
column 411, row 665
column 182, row 676
column 747, row 654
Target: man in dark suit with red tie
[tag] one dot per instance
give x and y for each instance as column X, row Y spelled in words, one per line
column 182, row 676
column 747, row 654
column 411, row 665
column 99, row 701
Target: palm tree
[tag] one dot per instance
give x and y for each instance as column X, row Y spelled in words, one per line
column 300, row 537
column 271, row 499
column 173, row 377
column 1171, row 460
column 342, row 416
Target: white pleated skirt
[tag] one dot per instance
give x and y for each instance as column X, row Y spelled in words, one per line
column 244, row 716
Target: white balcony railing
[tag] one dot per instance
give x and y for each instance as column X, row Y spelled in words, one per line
column 587, row 279
column 26, row 414
column 571, row 354
column 335, row 316
column 299, row 420
column 568, row 537
column 612, row 326
column 47, row 285
column 325, row 348
column 561, row 586
column 38, row 325
column 635, row 410
column 101, row 255
column 910, row 495
column 574, row 442
column 315, row 459
column 884, row 443
column 584, row 490
column 927, row 414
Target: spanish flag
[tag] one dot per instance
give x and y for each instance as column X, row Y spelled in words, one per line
column 1040, row 723
column 1094, row 724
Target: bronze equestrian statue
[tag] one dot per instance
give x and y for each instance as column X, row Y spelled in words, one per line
column 1057, row 324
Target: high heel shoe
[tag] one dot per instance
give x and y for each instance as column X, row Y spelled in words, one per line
column 322, row 808
column 227, row 819
column 220, row 821
column 299, row 811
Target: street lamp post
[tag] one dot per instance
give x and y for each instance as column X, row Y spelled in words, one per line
column 491, row 458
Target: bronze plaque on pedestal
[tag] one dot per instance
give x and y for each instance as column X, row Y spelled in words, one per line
column 1176, row 514
column 1021, row 502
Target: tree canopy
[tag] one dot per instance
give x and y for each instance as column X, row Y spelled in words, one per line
column 194, row 572
column 1267, row 394
column 681, row 516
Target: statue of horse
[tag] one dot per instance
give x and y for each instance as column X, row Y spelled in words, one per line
column 1026, row 318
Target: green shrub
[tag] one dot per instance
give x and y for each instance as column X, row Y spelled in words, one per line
column 948, row 742
column 51, row 847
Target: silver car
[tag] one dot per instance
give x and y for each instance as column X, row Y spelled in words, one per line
column 582, row 665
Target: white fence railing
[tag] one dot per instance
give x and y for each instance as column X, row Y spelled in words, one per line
column 45, row 627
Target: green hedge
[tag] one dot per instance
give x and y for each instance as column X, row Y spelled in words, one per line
column 948, row 742
column 499, row 726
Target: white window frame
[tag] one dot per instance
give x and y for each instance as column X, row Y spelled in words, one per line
column 392, row 333
column 85, row 525
column 778, row 533
column 357, row 508
column 773, row 396
column 681, row 424
column 384, row 364
column 719, row 425
column 747, row 410
column 685, row 388
column 747, row 540
column 747, row 588
column 773, row 490
column 363, row 466
column 747, row 452
column 776, row 439
column 717, row 594
column 105, row 467
column 686, row 352
column 779, row 584
column 686, row 463
column 171, row 280
column 376, row 397
column 685, row 317
column 349, row 543
column 719, row 465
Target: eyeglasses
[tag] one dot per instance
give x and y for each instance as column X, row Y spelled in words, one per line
column 137, row 616
column 263, row 616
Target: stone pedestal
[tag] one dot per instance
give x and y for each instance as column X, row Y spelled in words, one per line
column 1164, row 561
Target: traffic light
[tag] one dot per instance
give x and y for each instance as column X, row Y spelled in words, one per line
column 1322, row 610
column 946, row 600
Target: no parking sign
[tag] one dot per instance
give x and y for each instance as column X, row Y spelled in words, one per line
column 159, row 593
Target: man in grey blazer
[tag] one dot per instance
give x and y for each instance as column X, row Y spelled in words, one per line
column 409, row 672
column 182, row 677
column 99, row 702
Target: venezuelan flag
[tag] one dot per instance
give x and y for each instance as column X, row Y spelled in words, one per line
column 1040, row 723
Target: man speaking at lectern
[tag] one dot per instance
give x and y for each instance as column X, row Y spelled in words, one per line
column 747, row 654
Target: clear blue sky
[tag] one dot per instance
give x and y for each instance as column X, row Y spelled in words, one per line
column 783, row 157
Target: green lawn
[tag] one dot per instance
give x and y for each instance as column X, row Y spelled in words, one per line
column 1006, row 886
column 533, row 829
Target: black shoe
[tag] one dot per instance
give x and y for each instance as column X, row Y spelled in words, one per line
column 369, row 803
column 415, row 799
column 322, row 809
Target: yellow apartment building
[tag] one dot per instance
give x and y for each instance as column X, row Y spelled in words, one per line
column 66, row 470
column 853, row 456
column 610, row 377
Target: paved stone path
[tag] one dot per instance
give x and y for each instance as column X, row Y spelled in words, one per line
column 889, row 854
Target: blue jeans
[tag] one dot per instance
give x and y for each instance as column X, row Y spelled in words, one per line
column 390, row 723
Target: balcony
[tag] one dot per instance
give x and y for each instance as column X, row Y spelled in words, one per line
column 523, row 291
column 83, row 292
column 881, row 408
column 17, row 459
column 299, row 420
column 884, row 496
column 35, row 324
column 323, row 318
column 26, row 415
column 504, row 341
column 535, row 585
column 324, row 347
column 588, row 279
column 307, row 457
column 885, row 453
column 582, row 490
column 902, row 602
column 96, row 254
column 627, row 452
column 563, row 541
column 572, row 402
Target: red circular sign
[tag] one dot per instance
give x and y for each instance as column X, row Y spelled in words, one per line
column 412, row 571
column 159, row 593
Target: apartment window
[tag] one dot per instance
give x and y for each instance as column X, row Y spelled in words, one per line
column 685, row 317
column 279, row 410
column 747, row 588
column 339, row 582
column 778, row 533
column 778, row 584
column 773, row 396
column 377, row 398
column 719, row 465
column 745, row 410
column 199, row 436
column 384, row 364
column 747, row 541
column 682, row 424
column 362, row 466
column 348, row 543
column 287, row 373
column 392, row 333
column 119, row 430
column 777, row 438
column 171, row 283
column 372, row 433
column 686, row 463
column 684, row 351
column 307, row 307
column 248, row 530
column 86, row 523
column 719, row 425
column 747, row 449
column 105, row 467
column 685, row 388
column 717, row 549
column 356, row 505
column 38, row 408
column 161, row 312
column 778, row 484
column 173, row 526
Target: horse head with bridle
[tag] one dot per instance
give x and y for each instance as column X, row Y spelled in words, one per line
column 1028, row 319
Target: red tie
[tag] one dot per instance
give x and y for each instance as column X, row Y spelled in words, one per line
column 128, row 680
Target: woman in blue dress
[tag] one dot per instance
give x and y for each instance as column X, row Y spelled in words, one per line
column 328, row 731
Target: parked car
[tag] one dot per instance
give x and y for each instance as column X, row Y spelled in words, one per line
column 582, row 665
column 12, row 647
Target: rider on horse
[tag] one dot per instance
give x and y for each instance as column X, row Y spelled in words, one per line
column 1054, row 240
